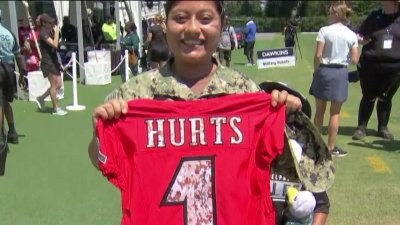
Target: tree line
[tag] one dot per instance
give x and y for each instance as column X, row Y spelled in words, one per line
column 273, row 15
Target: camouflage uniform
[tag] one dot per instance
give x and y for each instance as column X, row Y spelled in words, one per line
column 161, row 84
column 315, row 172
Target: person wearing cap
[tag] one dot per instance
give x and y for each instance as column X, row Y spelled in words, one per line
column 9, row 50
column 48, row 42
column 193, row 76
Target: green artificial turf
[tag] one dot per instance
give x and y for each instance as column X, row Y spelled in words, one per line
column 49, row 179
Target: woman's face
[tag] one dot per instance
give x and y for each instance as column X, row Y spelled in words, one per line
column 48, row 25
column 193, row 30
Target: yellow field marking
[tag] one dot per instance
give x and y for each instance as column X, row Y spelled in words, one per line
column 378, row 164
column 344, row 114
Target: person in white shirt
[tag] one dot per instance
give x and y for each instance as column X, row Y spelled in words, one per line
column 337, row 46
column 227, row 42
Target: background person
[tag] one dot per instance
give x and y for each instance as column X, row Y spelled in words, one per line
column 50, row 66
column 109, row 33
column 157, row 43
column 9, row 49
column 193, row 33
column 289, row 32
column 379, row 67
column 131, row 43
column 68, row 31
column 228, row 37
column 336, row 44
column 28, row 46
column 250, row 40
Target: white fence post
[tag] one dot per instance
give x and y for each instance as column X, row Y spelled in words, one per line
column 126, row 66
column 74, row 106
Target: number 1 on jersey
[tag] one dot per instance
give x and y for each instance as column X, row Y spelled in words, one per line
column 193, row 187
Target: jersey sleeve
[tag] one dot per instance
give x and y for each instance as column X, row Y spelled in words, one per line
column 110, row 153
column 272, row 135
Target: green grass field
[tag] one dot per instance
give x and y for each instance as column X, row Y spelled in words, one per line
column 49, row 179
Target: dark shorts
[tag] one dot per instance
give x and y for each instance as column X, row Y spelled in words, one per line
column 2, row 83
column 50, row 68
column 248, row 47
column 376, row 82
column 8, row 83
column 224, row 54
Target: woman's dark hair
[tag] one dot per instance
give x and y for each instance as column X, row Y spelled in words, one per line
column 219, row 4
column 130, row 26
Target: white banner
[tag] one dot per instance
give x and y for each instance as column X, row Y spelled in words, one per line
column 276, row 58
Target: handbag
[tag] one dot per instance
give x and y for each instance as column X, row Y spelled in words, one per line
column 132, row 58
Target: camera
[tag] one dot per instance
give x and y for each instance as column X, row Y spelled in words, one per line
column 295, row 22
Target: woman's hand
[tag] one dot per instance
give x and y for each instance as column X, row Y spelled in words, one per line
column 110, row 110
column 55, row 28
column 292, row 102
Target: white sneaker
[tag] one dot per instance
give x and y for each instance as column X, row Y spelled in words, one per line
column 40, row 103
column 59, row 112
column 249, row 64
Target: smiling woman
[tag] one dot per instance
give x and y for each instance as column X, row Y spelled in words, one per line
column 193, row 30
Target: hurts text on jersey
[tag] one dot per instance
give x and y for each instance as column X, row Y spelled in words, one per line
column 194, row 131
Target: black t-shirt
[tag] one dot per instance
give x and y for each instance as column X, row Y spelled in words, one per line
column 49, row 54
column 158, row 37
column 290, row 33
column 68, row 31
column 96, row 32
column 376, row 26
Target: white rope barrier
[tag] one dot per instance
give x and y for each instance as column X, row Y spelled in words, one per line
column 69, row 64
column 80, row 65
column 120, row 63
column 70, row 75
column 75, row 106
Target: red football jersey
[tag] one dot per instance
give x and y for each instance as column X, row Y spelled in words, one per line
column 194, row 162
